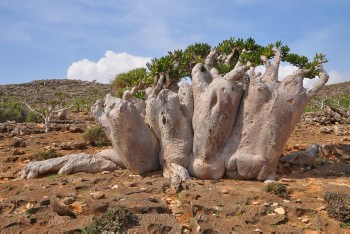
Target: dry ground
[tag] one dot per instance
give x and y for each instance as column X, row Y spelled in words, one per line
column 207, row 206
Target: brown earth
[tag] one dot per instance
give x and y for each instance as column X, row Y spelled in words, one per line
column 203, row 206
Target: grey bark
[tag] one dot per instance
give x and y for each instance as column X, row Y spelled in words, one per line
column 216, row 100
column 218, row 125
column 66, row 165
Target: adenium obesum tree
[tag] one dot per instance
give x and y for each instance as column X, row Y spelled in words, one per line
column 229, row 120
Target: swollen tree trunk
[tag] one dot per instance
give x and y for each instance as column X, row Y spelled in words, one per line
column 132, row 139
column 236, row 124
column 216, row 101
column 266, row 118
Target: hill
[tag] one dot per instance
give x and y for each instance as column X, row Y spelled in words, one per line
column 38, row 90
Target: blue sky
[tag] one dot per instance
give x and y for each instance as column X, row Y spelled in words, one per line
column 86, row 39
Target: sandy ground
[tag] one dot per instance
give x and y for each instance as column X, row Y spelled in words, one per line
column 207, row 206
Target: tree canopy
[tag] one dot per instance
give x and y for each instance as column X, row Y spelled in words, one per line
column 178, row 64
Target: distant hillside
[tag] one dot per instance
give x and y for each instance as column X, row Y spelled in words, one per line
column 39, row 90
column 335, row 89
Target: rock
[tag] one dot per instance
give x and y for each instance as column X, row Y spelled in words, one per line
column 225, row 191
column 75, row 129
column 45, row 201
column 305, row 220
column 68, row 200
column 97, row 195
column 255, row 203
column 298, row 201
column 280, row 210
column 62, row 115
column 325, row 130
column 29, row 205
column 115, row 186
column 18, row 152
column 338, row 130
column 321, row 208
column 60, row 209
column 18, row 142
column 345, row 139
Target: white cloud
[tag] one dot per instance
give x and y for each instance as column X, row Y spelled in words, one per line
column 337, row 77
column 106, row 68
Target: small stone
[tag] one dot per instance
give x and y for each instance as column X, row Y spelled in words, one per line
column 286, row 180
column 18, row 142
column 105, row 172
column 29, row 205
column 45, row 201
column 97, row 195
column 18, row 152
column 286, row 201
column 274, row 204
column 266, row 204
column 68, row 200
column 115, row 186
column 255, row 203
column 74, row 195
column 257, row 230
column 325, row 130
column 305, row 220
column 280, row 210
column 320, row 199
column 225, row 191
column 143, row 189
column 321, row 208
column 298, row 201
column 346, row 139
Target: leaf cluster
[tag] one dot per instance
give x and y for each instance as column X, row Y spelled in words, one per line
column 127, row 80
column 178, row 64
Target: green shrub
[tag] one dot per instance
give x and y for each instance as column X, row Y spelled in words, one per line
column 96, row 136
column 338, row 205
column 33, row 117
column 12, row 111
column 43, row 155
column 115, row 219
column 278, row 189
column 127, row 80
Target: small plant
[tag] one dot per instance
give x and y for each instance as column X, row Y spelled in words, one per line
column 43, row 155
column 96, row 136
column 88, row 230
column 278, row 189
column 52, row 176
column 345, row 225
column 338, row 206
column 115, row 219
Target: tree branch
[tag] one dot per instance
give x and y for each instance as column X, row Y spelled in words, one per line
column 32, row 109
column 209, row 61
column 323, row 79
column 130, row 94
column 237, row 73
